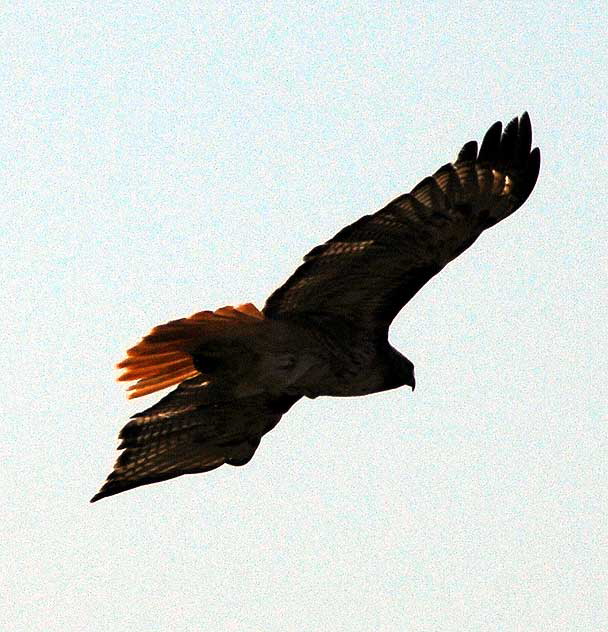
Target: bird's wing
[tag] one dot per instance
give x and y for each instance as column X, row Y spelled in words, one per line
column 372, row 268
column 191, row 430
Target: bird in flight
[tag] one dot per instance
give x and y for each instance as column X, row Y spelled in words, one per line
column 324, row 332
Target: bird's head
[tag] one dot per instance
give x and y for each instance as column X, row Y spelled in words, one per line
column 401, row 371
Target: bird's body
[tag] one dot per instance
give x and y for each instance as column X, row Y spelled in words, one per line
column 324, row 332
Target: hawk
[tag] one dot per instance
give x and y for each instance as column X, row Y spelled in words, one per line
column 324, row 332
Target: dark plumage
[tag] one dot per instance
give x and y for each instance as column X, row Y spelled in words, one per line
column 324, row 332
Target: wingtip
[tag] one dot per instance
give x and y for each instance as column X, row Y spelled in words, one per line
column 509, row 142
column 535, row 156
column 104, row 494
column 105, row 490
column 110, row 488
column 491, row 142
column 524, row 137
column 468, row 153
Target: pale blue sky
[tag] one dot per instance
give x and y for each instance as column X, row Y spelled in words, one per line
column 163, row 158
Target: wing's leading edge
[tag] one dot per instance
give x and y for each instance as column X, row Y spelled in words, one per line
column 372, row 268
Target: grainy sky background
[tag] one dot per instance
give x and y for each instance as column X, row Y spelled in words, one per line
column 162, row 158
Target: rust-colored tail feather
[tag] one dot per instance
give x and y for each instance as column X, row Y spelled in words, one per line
column 163, row 357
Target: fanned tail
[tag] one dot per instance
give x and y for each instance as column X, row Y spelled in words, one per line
column 164, row 356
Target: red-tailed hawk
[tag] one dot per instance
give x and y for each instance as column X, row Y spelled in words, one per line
column 324, row 332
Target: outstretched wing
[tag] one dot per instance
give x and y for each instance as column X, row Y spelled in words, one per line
column 372, row 268
column 191, row 430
